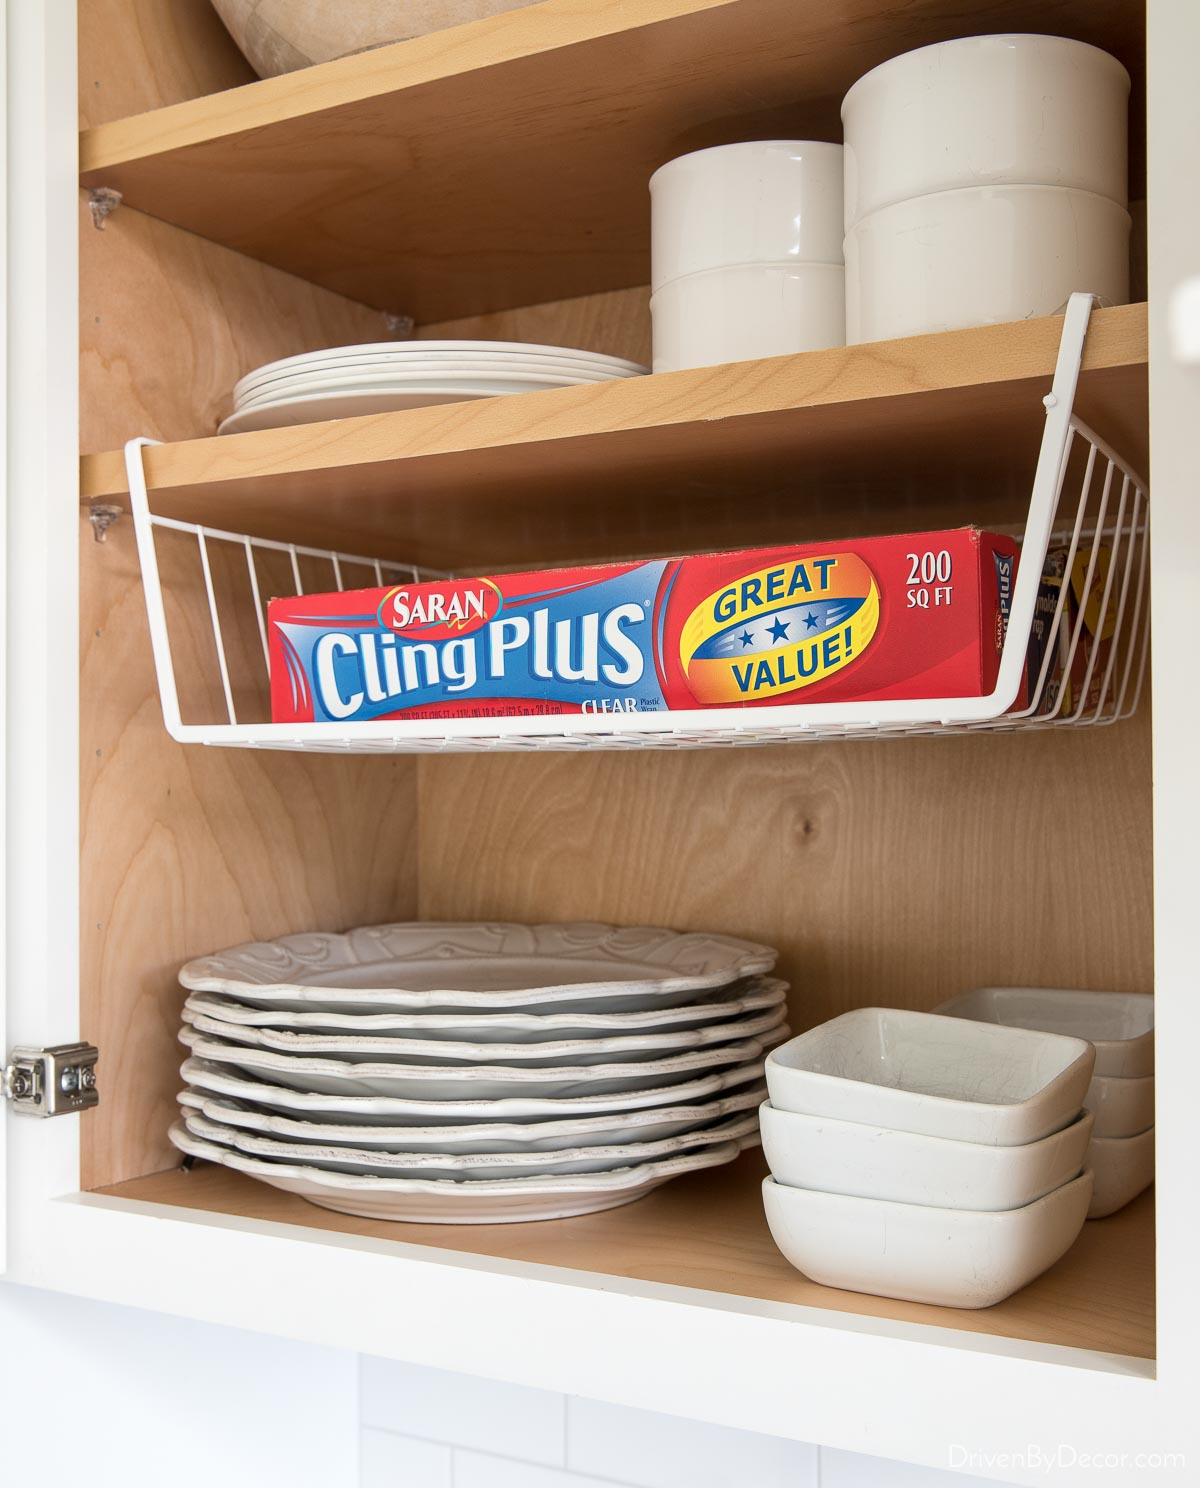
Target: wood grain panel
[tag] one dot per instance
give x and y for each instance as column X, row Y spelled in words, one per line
column 708, row 1231
column 169, row 322
column 136, row 55
column 892, row 872
column 185, row 850
column 506, row 162
column 897, row 871
column 616, row 323
column 930, row 430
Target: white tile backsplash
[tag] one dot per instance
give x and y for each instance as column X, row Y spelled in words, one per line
column 481, row 1470
column 464, row 1411
column 113, row 1397
column 650, row 1450
column 390, row 1461
column 428, row 1428
column 852, row 1470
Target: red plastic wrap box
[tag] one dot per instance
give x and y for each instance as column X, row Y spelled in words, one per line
column 917, row 616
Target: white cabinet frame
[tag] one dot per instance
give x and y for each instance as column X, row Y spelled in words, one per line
column 866, row 1384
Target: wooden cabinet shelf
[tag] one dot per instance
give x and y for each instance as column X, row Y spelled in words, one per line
column 708, row 1232
column 925, row 431
column 505, row 162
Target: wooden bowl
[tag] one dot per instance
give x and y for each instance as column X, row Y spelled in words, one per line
column 279, row 36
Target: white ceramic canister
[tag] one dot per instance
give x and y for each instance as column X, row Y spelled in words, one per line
column 986, row 110
column 761, row 202
column 748, row 311
column 980, row 256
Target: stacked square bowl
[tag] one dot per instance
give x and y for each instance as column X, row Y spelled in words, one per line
column 1120, row 1025
column 477, row 1073
column 925, row 1157
column 986, row 179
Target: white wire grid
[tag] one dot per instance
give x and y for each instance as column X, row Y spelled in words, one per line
column 374, row 572
column 1087, row 505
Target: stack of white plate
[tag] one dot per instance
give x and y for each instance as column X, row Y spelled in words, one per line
column 347, row 381
column 477, row 1073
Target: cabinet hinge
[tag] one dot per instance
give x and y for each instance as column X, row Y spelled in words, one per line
column 52, row 1082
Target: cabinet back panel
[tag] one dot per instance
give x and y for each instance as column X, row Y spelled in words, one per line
column 615, row 322
column 169, row 322
column 893, row 872
column 900, row 871
column 137, row 55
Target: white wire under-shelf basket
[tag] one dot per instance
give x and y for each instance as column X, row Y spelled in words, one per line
column 206, row 589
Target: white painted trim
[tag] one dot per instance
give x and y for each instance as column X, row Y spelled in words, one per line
column 1173, row 225
column 6, row 216
column 42, row 763
column 841, row 1380
column 847, row 1381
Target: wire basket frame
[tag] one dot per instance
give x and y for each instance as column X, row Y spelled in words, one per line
column 333, row 570
column 1088, row 624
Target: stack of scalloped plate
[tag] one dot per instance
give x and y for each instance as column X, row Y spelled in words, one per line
column 347, row 381
column 476, row 1073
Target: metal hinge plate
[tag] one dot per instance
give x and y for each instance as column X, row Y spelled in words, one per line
column 52, row 1082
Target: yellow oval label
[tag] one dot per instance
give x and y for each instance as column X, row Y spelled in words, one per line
column 780, row 629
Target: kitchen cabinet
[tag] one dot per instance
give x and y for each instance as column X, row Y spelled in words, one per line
column 490, row 181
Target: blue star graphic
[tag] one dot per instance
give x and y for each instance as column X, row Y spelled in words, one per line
column 746, row 638
column 778, row 630
column 810, row 622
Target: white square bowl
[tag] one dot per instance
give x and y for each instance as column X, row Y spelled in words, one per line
column 1120, row 1024
column 936, row 1076
column 949, row 1257
column 875, row 1162
column 1122, row 1108
column 1122, row 1167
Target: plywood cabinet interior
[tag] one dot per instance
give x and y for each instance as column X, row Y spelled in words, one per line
column 526, row 139
column 137, row 55
column 893, row 872
column 183, row 850
column 170, row 321
column 739, row 455
column 706, row 1231
column 890, row 873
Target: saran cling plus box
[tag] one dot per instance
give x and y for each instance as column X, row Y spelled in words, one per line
column 888, row 617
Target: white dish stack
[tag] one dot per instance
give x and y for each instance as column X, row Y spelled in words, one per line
column 746, row 253
column 352, row 381
column 1120, row 1025
column 926, row 1158
column 986, row 180
column 477, row 1073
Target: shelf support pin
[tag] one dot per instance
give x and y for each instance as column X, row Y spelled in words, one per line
column 102, row 515
column 103, row 201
